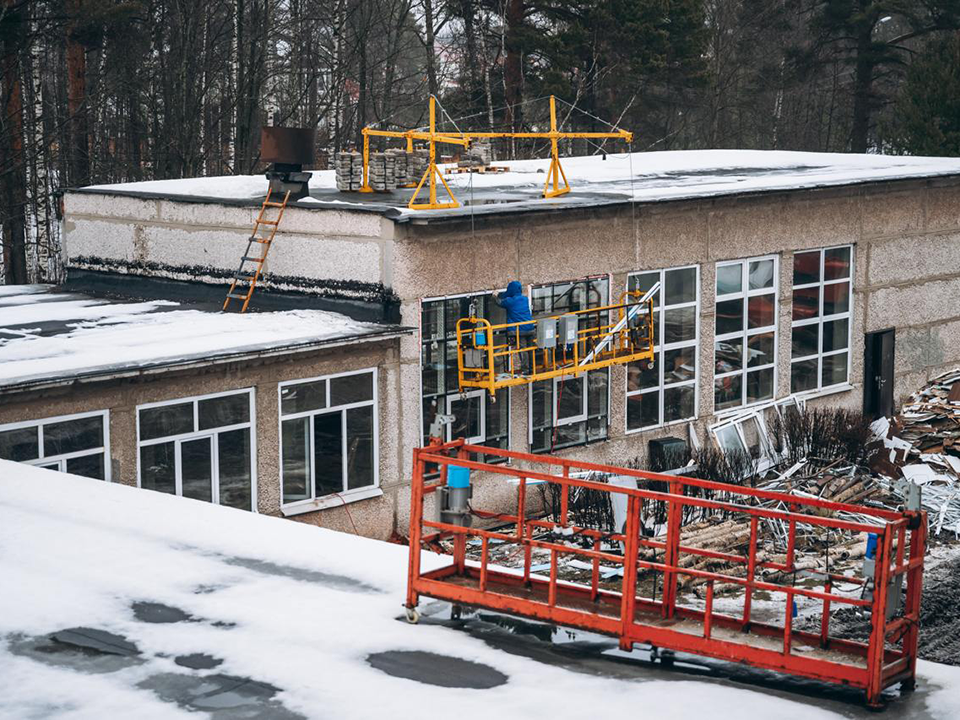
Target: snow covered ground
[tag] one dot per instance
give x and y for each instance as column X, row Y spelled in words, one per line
column 645, row 176
column 91, row 336
column 290, row 605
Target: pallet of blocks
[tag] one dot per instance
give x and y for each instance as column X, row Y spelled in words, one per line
column 349, row 169
column 381, row 168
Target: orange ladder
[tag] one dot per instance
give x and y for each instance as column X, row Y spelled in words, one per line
column 264, row 240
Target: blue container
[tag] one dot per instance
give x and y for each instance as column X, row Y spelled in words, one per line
column 871, row 545
column 479, row 339
column 458, row 477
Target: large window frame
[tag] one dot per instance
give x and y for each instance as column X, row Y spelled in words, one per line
column 61, row 461
column 179, row 439
column 448, row 395
column 822, row 286
column 746, row 334
column 587, row 420
column 662, row 349
column 346, row 494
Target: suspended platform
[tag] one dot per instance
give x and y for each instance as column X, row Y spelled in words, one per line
column 498, row 356
column 665, row 620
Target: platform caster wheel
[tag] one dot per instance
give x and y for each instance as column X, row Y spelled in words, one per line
column 413, row 616
column 908, row 686
column 456, row 612
column 667, row 658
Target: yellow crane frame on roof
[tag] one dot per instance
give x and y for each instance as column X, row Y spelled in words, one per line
column 488, row 355
column 551, row 188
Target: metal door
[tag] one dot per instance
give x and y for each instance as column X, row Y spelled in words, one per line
column 878, row 373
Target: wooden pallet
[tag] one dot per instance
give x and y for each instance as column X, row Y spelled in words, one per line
column 482, row 169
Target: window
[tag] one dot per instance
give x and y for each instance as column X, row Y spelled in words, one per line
column 745, row 345
column 477, row 417
column 329, row 435
column 667, row 392
column 820, row 347
column 201, row 448
column 567, row 411
column 76, row 444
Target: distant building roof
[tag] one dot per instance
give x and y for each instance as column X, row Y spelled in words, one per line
column 596, row 180
column 50, row 337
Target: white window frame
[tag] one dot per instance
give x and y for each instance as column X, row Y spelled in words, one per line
column 251, row 424
column 580, row 416
column 482, row 438
column 821, row 319
column 660, row 350
column 334, row 499
column 586, row 382
column 63, row 457
column 745, row 332
column 448, row 429
column 767, row 457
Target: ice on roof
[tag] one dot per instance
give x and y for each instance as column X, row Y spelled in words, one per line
column 595, row 179
column 46, row 335
column 295, row 610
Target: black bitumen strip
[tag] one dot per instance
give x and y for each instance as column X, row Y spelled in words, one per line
column 433, row 669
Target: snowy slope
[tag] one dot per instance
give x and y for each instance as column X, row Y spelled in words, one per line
column 308, row 605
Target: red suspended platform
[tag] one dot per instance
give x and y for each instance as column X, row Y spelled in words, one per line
column 887, row 658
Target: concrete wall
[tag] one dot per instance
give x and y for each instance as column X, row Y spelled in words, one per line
column 373, row 517
column 333, row 253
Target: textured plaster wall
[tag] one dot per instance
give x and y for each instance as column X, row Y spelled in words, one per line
column 373, row 517
column 166, row 238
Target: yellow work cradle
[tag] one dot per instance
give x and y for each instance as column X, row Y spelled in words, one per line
column 498, row 356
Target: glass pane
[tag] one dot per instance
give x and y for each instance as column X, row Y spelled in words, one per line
column 836, row 263
column 834, row 369
column 680, row 325
column 806, row 267
column 727, row 392
column 431, row 320
column 641, row 376
column 569, row 398
column 305, row 396
column 679, row 365
column 729, row 279
column 542, row 410
column 166, row 420
column 360, row 471
column 759, row 385
column 431, row 362
column 643, row 410
column 455, row 309
column 451, row 383
column 328, row 453
column 760, row 311
column 803, row 375
column 573, row 434
column 681, row 286
column 466, row 416
column 597, row 392
column 72, row 436
column 751, row 433
column 728, row 356
column 224, row 411
column 678, row 403
column 295, row 437
column 760, row 350
column 597, row 428
column 645, row 281
column 158, row 467
column 196, row 469
column 497, row 415
column 729, row 316
column 20, row 445
column 761, row 274
column 729, row 439
column 836, row 298
column 597, row 292
column 234, row 466
column 805, row 341
column 90, row 466
column 835, row 335
column 352, row 388
column 806, row 303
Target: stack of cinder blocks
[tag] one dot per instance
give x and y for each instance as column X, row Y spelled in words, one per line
column 399, row 166
column 382, row 176
column 478, row 155
column 349, row 167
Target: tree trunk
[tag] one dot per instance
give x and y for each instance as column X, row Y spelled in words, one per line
column 513, row 68
column 77, row 98
column 862, row 91
column 430, row 43
column 12, row 170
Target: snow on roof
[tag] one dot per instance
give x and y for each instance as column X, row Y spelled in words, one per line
column 646, row 177
column 48, row 335
column 287, row 604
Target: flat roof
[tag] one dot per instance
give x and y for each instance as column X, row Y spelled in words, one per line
column 648, row 177
column 52, row 337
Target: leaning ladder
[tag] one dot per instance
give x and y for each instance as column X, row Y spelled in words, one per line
column 264, row 231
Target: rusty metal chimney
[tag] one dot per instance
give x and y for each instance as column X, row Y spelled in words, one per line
column 288, row 150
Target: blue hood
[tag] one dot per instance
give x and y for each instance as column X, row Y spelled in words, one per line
column 513, row 289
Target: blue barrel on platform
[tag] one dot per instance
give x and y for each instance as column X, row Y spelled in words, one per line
column 458, row 477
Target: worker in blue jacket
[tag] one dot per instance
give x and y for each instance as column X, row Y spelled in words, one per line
column 518, row 311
